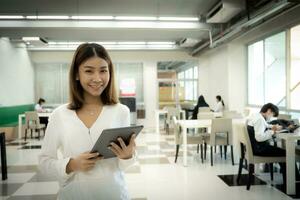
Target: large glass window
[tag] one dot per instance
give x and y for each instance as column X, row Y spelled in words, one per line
column 275, row 65
column 52, row 81
column 295, row 68
column 267, row 71
column 188, row 79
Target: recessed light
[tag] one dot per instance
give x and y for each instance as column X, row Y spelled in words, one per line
column 11, row 17
column 137, row 18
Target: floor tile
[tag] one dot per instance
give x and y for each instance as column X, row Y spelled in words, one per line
column 34, row 197
column 37, row 188
column 7, row 189
column 154, row 161
column 18, row 177
column 231, row 180
column 22, row 169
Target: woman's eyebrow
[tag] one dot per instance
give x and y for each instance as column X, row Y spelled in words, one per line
column 92, row 67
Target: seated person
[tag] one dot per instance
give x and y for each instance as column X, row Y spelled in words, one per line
column 260, row 132
column 38, row 107
column 201, row 103
column 220, row 104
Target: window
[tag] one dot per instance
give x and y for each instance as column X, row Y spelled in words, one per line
column 52, row 84
column 133, row 73
column 267, row 71
column 268, row 80
column 188, row 79
column 295, row 68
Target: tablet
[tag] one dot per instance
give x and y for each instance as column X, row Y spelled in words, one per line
column 110, row 135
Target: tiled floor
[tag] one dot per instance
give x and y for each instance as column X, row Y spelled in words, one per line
column 155, row 177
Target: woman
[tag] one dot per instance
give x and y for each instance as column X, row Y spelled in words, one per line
column 74, row 128
column 201, row 103
column 220, row 104
column 38, row 107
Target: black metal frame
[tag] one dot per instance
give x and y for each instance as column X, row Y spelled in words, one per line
column 3, row 156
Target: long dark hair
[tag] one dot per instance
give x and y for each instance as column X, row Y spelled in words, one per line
column 84, row 52
column 201, row 103
column 220, row 99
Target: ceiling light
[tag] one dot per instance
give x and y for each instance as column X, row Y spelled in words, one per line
column 11, row 17
column 161, row 43
column 132, row 43
column 178, row 18
column 30, row 38
column 53, row 17
column 93, row 17
column 31, row 17
column 138, row 18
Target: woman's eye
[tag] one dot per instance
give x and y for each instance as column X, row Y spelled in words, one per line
column 103, row 70
column 88, row 71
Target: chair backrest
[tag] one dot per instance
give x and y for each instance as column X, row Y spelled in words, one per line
column 246, row 112
column 243, row 137
column 221, row 125
column 32, row 119
column 205, row 115
column 203, row 109
column 284, row 116
column 231, row 114
column 172, row 111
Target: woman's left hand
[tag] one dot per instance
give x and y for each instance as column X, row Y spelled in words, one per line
column 123, row 151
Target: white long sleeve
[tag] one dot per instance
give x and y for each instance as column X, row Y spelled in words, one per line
column 49, row 163
column 68, row 134
column 219, row 107
column 260, row 128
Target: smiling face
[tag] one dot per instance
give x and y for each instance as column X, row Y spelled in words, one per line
column 94, row 76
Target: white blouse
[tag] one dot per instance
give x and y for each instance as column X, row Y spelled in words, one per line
column 219, row 107
column 67, row 134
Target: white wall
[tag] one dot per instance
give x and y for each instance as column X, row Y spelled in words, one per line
column 16, row 75
column 149, row 60
column 213, row 75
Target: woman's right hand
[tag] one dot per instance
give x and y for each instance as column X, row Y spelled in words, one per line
column 84, row 162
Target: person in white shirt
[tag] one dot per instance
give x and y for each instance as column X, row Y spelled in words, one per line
column 74, row 128
column 260, row 132
column 39, row 106
column 220, row 104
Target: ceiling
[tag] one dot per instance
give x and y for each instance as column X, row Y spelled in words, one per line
column 71, row 31
column 175, row 65
column 111, row 7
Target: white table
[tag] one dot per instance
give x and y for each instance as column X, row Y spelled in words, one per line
column 185, row 124
column 163, row 112
column 290, row 140
column 205, row 123
column 45, row 114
